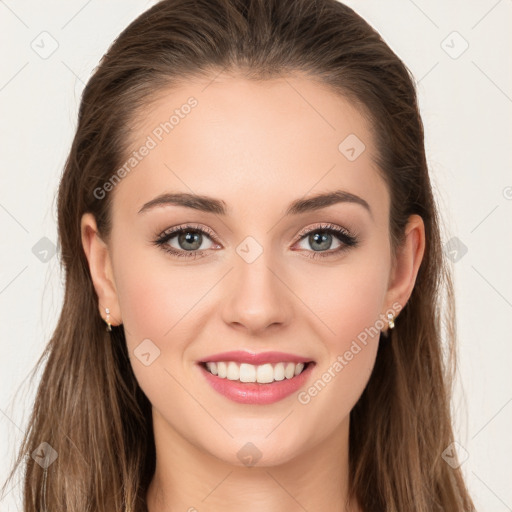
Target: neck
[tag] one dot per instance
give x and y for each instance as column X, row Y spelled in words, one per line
column 190, row 479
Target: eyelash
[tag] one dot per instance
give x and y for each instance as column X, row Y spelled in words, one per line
column 341, row 234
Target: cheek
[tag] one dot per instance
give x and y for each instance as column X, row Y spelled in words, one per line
column 345, row 300
column 154, row 291
column 348, row 305
column 145, row 299
column 160, row 301
column 157, row 304
column 357, row 305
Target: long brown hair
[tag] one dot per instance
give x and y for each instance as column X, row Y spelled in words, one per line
column 89, row 407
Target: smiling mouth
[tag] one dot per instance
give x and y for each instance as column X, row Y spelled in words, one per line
column 261, row 374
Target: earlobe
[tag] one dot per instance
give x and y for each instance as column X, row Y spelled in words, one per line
column 100, row 268
column 407, row 262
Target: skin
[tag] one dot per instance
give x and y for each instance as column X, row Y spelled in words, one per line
column 257, row 146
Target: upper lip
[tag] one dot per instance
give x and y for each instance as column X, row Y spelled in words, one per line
column 241, row 356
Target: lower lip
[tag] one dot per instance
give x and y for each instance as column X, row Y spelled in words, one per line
column 255, row 393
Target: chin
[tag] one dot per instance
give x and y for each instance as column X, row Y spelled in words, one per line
column 258, row 450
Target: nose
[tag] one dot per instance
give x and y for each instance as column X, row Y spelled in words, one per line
column 258, row 298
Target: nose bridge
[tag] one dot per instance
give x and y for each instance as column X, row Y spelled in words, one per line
column 257, row 297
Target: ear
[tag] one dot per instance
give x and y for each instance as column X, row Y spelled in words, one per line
column 407, row 263
column 100, row 267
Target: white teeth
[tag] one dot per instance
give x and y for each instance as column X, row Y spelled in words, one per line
column 263, row 374
column 289, row 370
column 212, row 367
column 298, row 368
column 222, row 370
column 279, row 371
column 233, row 372
column 247, row 373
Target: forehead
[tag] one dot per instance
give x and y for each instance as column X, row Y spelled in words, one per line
column 249, row 141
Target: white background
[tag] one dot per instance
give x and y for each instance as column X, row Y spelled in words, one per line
column 466, row 105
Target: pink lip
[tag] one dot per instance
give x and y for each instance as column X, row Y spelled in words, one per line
column 253, row 392
column 241, row 356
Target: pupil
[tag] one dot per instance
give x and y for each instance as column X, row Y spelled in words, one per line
column 324, row 240
column 190, row 237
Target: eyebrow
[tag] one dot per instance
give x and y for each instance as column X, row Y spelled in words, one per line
column 218, row 207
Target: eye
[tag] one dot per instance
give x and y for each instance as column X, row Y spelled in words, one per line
column 192, row 241
column 187, row 241
column 321, row 238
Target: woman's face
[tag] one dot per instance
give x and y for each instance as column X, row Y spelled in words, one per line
column 262, row 268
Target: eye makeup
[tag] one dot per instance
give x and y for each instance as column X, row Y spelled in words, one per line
column 192, row 233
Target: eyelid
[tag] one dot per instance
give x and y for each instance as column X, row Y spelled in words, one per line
column 191, row 227
column 350, row 240
column 327, row 227
column 299, row 236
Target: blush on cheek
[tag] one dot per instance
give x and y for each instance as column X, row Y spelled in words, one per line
column 143, row 309
column 362, row 325
column 143, row 291
column 351, row 315
column 161, row 307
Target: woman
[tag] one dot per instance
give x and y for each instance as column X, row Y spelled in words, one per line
column 254, row 275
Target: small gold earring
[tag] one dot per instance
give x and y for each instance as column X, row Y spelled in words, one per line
column 391, row 320
column 109, row 326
